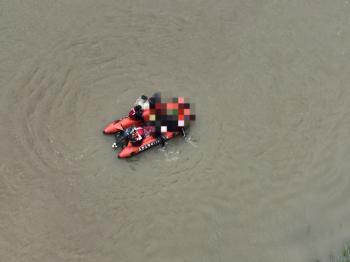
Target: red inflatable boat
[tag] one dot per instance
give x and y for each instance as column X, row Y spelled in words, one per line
column 122, row 124
column 147, row 143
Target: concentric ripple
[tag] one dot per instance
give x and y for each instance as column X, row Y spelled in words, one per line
column 263, row 174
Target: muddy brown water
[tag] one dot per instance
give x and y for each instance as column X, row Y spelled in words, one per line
column 264, row 175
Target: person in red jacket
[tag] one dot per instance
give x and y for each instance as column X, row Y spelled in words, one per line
column 137, row 135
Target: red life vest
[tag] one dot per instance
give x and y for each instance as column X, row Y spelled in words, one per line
column 138, row 134
column 140, row 131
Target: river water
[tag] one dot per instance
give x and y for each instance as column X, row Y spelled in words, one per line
column 263, row 175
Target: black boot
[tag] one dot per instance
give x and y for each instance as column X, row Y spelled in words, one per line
column 162, row 141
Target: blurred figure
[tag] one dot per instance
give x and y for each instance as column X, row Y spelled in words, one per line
column 136, row 113
column 136, row 136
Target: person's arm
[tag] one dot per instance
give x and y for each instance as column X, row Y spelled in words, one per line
column 183, row 132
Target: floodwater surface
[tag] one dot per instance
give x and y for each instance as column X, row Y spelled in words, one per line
column 264, row 174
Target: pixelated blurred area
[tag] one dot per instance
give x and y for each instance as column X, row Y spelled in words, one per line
column 171, row 114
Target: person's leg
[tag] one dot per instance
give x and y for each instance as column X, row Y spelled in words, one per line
column 158, row 135
column 162, row 141
column 137, row 143
column 182, row 130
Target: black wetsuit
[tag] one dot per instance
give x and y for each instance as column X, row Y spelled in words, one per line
column 136, row 113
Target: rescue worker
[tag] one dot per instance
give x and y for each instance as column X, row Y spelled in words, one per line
column 136, row 113
column 137, row 135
